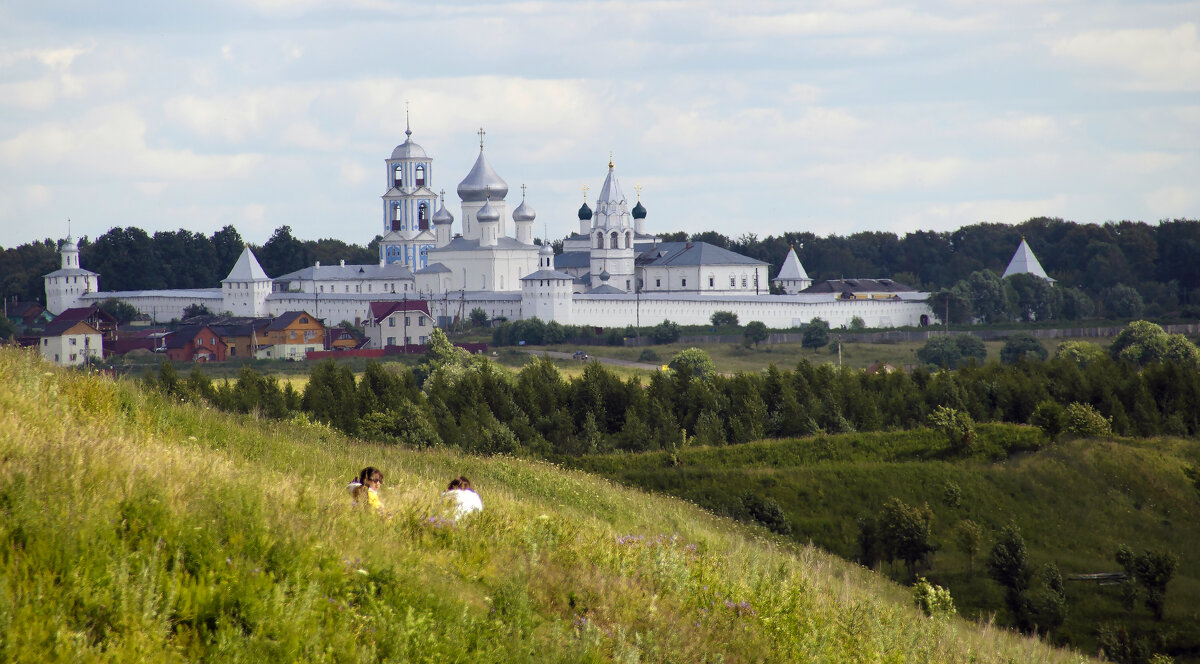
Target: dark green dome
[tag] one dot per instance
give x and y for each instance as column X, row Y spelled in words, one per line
column 585, row 212
column 639, row 211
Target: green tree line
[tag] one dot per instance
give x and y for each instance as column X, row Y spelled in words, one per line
column 453, row 398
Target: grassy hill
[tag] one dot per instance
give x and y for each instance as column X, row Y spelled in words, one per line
column 136, row 529
column 1075, row 503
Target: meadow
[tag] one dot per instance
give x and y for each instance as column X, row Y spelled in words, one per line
column 138, row 528
column 1075, row 502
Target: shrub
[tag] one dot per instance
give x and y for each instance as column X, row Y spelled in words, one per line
column 648, row 355
column 755, row 333
column 695, row 362
column 1083, row 420
column 857, row 324
column 767, row 512
column 1022, row 345
column 1050, row 417
column 816, row 334
column 665, row 332
column 958, row 427
column 724, row 318
column 934, row 601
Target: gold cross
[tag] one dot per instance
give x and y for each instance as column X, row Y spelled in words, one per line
column 638, row 189
column 481, row 132
column 522, row 192
column 585, row 191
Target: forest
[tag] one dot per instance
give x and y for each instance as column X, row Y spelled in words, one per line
column 1117, row 270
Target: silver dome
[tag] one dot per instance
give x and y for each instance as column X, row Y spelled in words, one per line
column 443, row 216
column 524, row 212
column 546, row 250
column 409, row 150
column 487, row 214
column 481, row 182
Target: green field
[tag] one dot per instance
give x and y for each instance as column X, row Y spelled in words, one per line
column 139, row 529
column 1075, row 503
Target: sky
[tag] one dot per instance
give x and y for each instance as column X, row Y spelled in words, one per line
column 738, row 117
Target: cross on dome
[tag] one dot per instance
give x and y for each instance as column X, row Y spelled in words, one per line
column 585, row 191
column 481, row 133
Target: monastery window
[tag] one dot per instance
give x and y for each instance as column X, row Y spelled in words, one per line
column 683, row 283
column 658, row 283
column 712, row 282
column 420, row 176
column 347, row 288
column 628, row 240
column 397, row 223
column 626, row 284
column 398, row 176
column 599, row 240
column 743, row 281
column 613, row 242
column 732, row 282
column 423, row 217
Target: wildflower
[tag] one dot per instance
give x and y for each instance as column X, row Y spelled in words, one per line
column 362, row 571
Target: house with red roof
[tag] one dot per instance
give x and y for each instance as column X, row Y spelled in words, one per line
column 402, row 323
column 196, row 343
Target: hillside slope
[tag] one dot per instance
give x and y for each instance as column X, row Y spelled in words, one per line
column 1075, row 503
column 135, row 529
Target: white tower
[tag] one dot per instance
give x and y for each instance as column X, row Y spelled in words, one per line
column 792, row 278
column 546, row 294
column 408, row 206
column 66, row 285
column 612, row 237
column 244, row 292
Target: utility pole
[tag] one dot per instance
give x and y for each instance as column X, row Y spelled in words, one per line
column 405, row 322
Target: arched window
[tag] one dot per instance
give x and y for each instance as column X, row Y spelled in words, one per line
column 628, row 239
column 396, row 217
column 398, row 176
column 422, row 215
column 420, row 176
column 613, row 242
column 599, row 240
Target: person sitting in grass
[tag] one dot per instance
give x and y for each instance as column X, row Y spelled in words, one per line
column 365, row 490
column 465, row 499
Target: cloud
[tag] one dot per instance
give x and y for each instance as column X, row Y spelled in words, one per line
column 1173, row 202
column 54, row 79
column 1165, row 59
column 949, row 216
column 1017, row 126
column 110, row 142
column 889, row 20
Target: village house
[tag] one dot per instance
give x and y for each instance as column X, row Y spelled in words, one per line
column 71, row 343
column 292, row 335
column 196, row 343
column 403, row 323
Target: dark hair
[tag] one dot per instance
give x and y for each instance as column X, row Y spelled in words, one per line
column 454, row 484
column 464, row 483
column 369, row 473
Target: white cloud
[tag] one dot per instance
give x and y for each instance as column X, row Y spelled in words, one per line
column 890, row 20
column 110, row 142
column 1163, row 59
column 1173, row 202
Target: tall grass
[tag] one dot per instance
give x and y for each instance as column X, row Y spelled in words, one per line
column 136, row 529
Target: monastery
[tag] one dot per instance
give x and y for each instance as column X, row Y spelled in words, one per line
column 612, row 273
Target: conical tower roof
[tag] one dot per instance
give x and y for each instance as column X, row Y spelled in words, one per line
column 1024, row 262
column 246, row 268
column 482, row 181
column 791, row 269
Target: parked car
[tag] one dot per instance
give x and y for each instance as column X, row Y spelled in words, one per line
column 580, row 355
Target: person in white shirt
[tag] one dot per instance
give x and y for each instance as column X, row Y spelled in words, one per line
column 466, row 501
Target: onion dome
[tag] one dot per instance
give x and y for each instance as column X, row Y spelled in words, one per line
column 585, row 212
column 443, row 216
column 408, row 149
column 546, row 250
column 639, row 211
column 604, row 275
column 524, row 212
column 480, row 181
column 487, row 213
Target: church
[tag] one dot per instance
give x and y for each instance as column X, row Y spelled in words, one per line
column 612, row 272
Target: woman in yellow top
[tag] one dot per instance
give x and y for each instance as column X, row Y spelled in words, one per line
column 365, row 490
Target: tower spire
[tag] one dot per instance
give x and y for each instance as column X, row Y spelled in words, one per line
column 407, row 123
